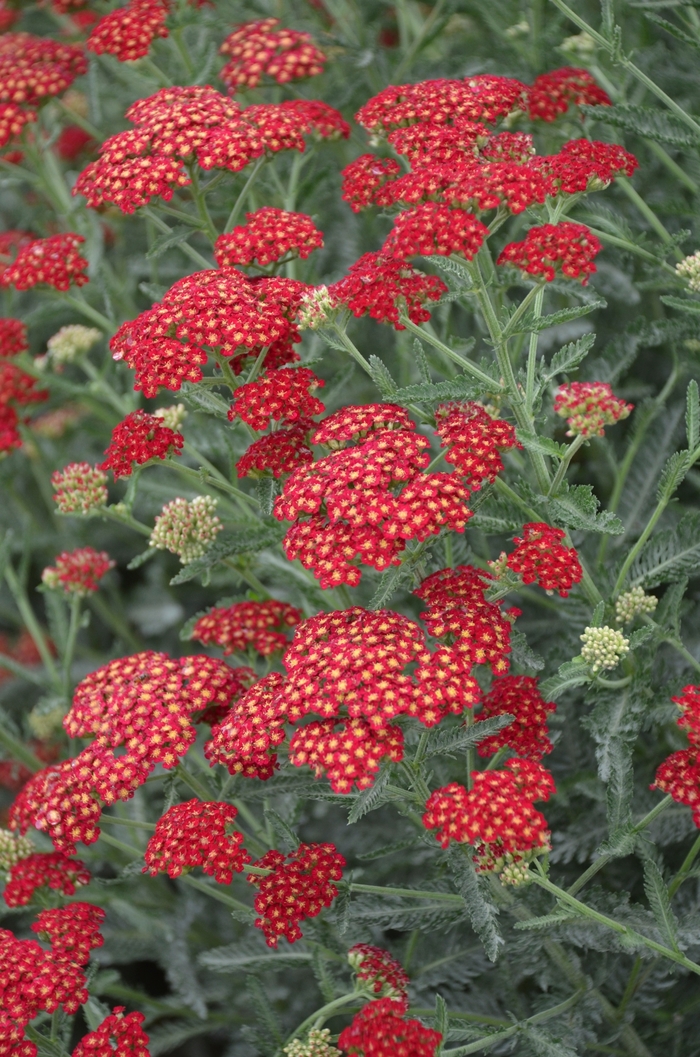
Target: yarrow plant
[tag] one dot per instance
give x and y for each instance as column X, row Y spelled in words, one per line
column 349, row 437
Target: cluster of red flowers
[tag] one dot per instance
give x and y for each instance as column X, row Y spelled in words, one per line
column 496, row 816
column 435, row 228
column 381, row 1029
column 137, row 439
column 35, row 68
column 474, row 441
column 54, row 870
column 569, row 248
column 258, row 49
column 348, row 504
column 243, row 626
column 245, row 739
column 218, row 309
column 588, row 407
column 144, row 705
column 553, row 93
column 518, row 696
column 299, row 886
column 540, row 557
column 33, row 980
column 282, row 394
column 458, row 612
column 78, row 572
column 13, row 118
column 381, row 286
column 179, row 123
column 197, row 834
column 268, row 235
column 54, row 261
column 679, row 774
column 378, row 971
column 128, row 32
column 117, row 1036
column 16, row 387
column 277, row 453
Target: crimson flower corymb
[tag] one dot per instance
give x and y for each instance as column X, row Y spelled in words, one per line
column 474, row 440
column 588, row 407
column 77, row 572
column 518, row 696
column 435, row 228
column 378, row 971
column 33, row 69
column 259, row 626
column 378, row 285
column 540, row 557
column 565, row 247
column 679, row 774
column 278, row 453
column 268, row 235
column 284, row 394
column 54, row 261
column 54, row 870
column 128, row 32
column 258, row 49
column 381, row 1029
column 298, row 886
column 193, row 834
column 118, row 1035
column 139, row 438
column 246, row 737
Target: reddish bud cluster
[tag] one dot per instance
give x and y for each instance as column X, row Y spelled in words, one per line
column 54, row 870
column 475, row 441
column 197, row 834
column 519, row 696
column 54, row 261
column 435, row 228
column 278, row 453
column 381, row 1029
column 299, row 886
column 72, row 141
column 569, row 248
column 282, row 394
column 378, row 971
column 128, row 32
column 381, row 286
column 268, row 235
column 13, row 337
column 34, row 68
column 540, row 557
column 117, row 1036
column 258, row 49
column 78, row 572
column 243, row 626
column 137, row 439
column 588, row 407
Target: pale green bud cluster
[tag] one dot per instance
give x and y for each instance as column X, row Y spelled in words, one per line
column 13, row 849
column 186, row 527
column 515, row 873
column 603, row 648
column 633, row 603
column 689, row 268
column 172, row 416
column 520, row 29
column 80, row 489
column 45, row 720
column 316, row 309
column 316, row 1045
column 580, row 46
column 71, row 342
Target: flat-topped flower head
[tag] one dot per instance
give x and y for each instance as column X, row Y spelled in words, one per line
column 136, row 440
column 245, row 739
column 70, row 343
column 689, row 721
column 316, row 1044
column 259, row 50
column 554, row 92
column 679, row 775
column 588, row 407
column 119, row 1035
column 197, row 833
column 381, row 1029
column 299, row 886
column 689, row 269
column 435, row 228
column 13, row 337
column 186, row 527
column 540, row 557
column 348, row 752
column 278, row 453
column 474, row 440
column 603, row 648
column 285, row 395
column 53, row 261
column 377, row 971
column 77, row 572
column 441, row 102
column 53, row 870
column 634, row 603
column 33, row 69
column 258, row 626
column 73, row 931
column 79, row 489
column 567, row 248
column 363, row 177
column 268, row 235
column 381, row 287
column 357, row 422
column 527, row 735
column 128, row 32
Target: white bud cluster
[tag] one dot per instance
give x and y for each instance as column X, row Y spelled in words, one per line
column 580, row 46
column 317, row 1045
column 172, row 416
column 520, row 29
column 689, row 268
column 316, row 309
column 603, row 648
column 72, row 341
column 186, row 527
column 633, row 603
column 46, row 720
column 13, row 849
column 515, row 873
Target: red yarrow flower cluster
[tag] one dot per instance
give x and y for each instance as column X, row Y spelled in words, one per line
column 73, row 931
column 299, row 886
column 13, row 118
column 363, row 177
column 518, row 696
column 355, row 422
column 117, row 1036
column 197, row 833
column 137, row 439
column 258, row 49
column 381, row 286
column 553, row 93
column 245, row 739
column 478, row 630
column 54, row 870
column 566, row 247
column 540, row 557
column 128, row 32
column 283, row 394
column 441, row 102
column 474, row 441
column 378, row 971
column 381, row 1029
column 244, row 626
column 16, row 387
column 679, row 774
column 35, row 68
column 13, row 337
column 588, row 407
column 78, row 572
column 278, row 453
column 496, row 816
column 54, row 261
column 435, row 228
column 349, row 752
column 268, row 235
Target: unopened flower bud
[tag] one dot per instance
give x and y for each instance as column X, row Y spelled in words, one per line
column 46, row 719
column 689, row 268
column 71, row 342
column 633, row 603
column 603, row 648
column 316, row 309
column 13, row 849
column 172, row 416
column 580, row 46
column 80, row 489
column 316, row 1044
column 186, row 528
column 77, row 572
column 588, row 407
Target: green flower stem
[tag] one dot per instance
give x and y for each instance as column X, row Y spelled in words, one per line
column 501, row 1036
column 249, row 577
column 631, row 247
column 122, row 406
column 31, row 623
column 466, row 365
column 672, row 166
column 352, row 348
column 126, row 519
column 194, row 783
column 81, row 305
column 578, row 442
column 507, row 491
column 203, row 477
column 599, row 863
column 71, row 640
column 179, row 214
column 240, row 201
column 318, row 1019
column 408, row 893
column 471, row 1018
column 78, row 119
column 610, row 923
column 680, row 648
column 214, row 893
column 620, row 59
column 532, row 350
column 201, row 207
column 648, row 213
column 536, row 293
column 129, row 849
column 176, row 38
column 290, row 196
column 20, row 751
column 685, row 868
column 155, row 72
column 20, row 671
column 184, row 246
